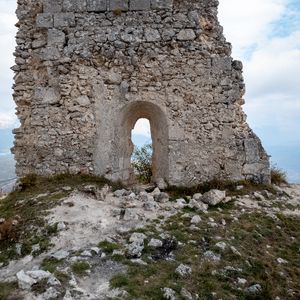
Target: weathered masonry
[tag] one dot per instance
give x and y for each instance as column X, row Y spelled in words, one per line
column 87, row 70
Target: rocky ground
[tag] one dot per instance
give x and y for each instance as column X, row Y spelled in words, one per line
column 143, row 243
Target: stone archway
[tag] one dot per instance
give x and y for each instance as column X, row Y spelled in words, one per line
column 126, row 120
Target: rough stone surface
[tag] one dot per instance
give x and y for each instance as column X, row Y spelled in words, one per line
column 195, row 220
column 86, row 71
column 254, row 289
column 169, row 294
column 155, row 243
column 197, row 205
column 213, row 197
column 183, row 270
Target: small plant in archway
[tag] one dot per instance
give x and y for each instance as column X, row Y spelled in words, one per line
column 142, row 163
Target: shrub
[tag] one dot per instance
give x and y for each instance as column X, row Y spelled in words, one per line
column 278, row 176
column 142, row 163
column 80, row 267
column 108, row 247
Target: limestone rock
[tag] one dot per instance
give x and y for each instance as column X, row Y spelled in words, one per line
column 161, row 184
column 120, row 193
column 195, row 220
column 209, row 255
column 137, row 236
column 155, row 243
column 180, row 203
column 136, row 246
column 61, row 254
column 197, row 205
column 183, row 270
column 197, row 196
column 186, row 35
column 185, row 294
column 221, row 245
column 255, row 289
column 151, row 206
column 213, row 197
column 161, row 197
column 24, row 281
column 169, row 294
column 29, row 278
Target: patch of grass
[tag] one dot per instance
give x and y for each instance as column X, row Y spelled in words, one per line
column 260, row 240
column 36, row 195
column 119, row 281
column 108, row 247
column 278, row 176
column 50, row 264
column 41, row 286
column 80, row 267
column 6, row 289
column 62, row 277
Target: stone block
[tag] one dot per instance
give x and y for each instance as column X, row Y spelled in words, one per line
column 186, row 35
column 48, row 95
column 139, row 4
column 44, row 20
column 118, row 5
column 161, row 4
column 152, row 35
column 96, row 5
column 64, row 20
column 50, row 53
column 52, row 6
column 74, row 5
column 55, row 37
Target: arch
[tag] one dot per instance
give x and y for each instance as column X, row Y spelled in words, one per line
column 126, row 119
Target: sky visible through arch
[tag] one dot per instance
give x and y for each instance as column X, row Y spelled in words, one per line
column 265, row 35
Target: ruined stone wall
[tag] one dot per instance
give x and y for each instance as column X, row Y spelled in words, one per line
column 86, row 70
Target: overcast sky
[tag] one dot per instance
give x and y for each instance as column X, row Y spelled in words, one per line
column 265, row 35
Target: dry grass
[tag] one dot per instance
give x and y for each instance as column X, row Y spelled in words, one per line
column 259, row 238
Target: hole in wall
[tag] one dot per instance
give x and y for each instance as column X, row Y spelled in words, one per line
column 141, row 157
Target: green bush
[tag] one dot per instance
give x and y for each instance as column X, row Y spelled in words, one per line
column 142, row 163
column 108, row 247
column 80, row 267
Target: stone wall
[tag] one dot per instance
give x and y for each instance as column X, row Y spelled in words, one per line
column 86, row 70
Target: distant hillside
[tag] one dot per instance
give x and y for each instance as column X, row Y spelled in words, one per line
column 6, row 140
column 7, row 169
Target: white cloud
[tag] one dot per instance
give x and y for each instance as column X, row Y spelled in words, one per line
column 142, row 127
column 249, row 22
column 7, row 46
column 8, row 120
column 275, row 67
column 271, row 65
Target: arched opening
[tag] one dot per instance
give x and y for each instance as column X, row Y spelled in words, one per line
column 125, row 123
column 141, row 158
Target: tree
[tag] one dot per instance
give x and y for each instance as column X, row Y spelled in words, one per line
column 142, row 163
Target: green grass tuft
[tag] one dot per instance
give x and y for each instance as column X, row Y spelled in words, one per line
column 6, row 290
column 108, row 247
column 80, row 267
column 50, row 264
